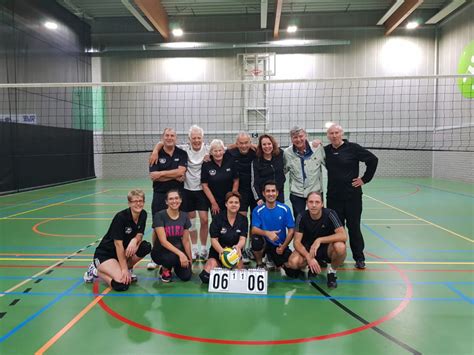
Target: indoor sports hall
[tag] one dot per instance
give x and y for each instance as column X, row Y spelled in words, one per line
column 86, row 91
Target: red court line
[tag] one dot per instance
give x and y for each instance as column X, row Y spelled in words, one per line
column 388, row 316
column 408, row 194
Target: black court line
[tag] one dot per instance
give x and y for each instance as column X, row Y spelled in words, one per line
column 38, row 281
column 49, row 272
column 27, row 290
column 364, row 321
column 2, row 314
column 14, row 302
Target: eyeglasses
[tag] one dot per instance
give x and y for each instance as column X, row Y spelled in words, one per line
column 137, row 201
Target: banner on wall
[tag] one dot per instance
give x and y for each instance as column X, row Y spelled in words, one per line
column 28, row 118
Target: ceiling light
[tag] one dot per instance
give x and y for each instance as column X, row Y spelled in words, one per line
column 182, row 45
column 411, row 25
column 177, row 32
column 51, row 25
column 292, row 29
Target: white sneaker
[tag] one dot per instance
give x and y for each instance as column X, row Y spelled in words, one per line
column 270, row 265
column 151, row 265
column 203, row 254
column 90, row 274
column 195, row 252
column 132, row 275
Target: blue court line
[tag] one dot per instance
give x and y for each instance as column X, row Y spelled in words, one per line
column 232, row 295
column 460, row 294
column 42, row 310
column 439, row 189
column 396, row 248
column 299, row 281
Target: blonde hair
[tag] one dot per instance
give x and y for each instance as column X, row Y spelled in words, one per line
column 137, row 192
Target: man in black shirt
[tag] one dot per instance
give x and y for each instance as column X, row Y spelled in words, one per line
column 243, row 155
column 167, row 173
column 123, row 245
column 344, row 193
column 319, row 238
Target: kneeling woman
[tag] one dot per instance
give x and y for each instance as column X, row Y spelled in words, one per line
column 174, row 248
column 228, row 229
column 123, row 245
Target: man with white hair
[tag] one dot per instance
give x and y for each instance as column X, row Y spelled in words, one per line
column 344, row 193
column 303, row 163
column 194, row 198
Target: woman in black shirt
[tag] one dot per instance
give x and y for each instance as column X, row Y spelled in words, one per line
column 228, row 230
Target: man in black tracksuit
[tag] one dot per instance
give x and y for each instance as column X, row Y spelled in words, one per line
column 344, row 193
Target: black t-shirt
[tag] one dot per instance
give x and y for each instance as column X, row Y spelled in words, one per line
column 342, row 164
column 313, row 229
column 122, row 228
column 220, row 179
column 174, row 228
column 227, row 234
column 167, row 162
column 243, row 166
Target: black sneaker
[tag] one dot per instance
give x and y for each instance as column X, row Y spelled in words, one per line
column 260, row 266
column 332, row 280
column 360, row 264
column 165, row 275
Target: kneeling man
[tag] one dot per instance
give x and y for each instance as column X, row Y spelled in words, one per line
column 319, row 238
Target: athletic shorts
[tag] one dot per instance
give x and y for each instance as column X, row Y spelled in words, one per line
column 194, row 201
column 278, row 259
column 247, row 201
column 159, row 202
column 101, row 256
column 322, row 253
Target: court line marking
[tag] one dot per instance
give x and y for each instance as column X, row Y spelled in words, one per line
column 460, row 294
column 422, row 219
column 48, row 268
column 41, row 254
column 42, row 310
column 389, row 219
column 71, row 323
column 388, row 242
column 54, row 204
column 399, row 224
column 242, row 296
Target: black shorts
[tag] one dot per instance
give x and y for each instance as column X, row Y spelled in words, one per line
column 322, row 253
column 101, row 256
column 194, row 201
column 159, row 202
column 278, row 259
column 247, row 201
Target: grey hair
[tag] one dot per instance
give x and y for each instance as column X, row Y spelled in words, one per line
column 295, row 130
column 195, row 128
column 336, row 125
column 215, row 143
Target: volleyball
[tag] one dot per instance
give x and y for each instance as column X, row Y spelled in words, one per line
column 229, row 257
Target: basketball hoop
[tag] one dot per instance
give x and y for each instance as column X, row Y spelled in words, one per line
column 256, row 72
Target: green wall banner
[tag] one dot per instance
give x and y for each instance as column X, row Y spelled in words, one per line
column 466, row 66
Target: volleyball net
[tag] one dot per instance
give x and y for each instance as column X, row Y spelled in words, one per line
column 406, row 113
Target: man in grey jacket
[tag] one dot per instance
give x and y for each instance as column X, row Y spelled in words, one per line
column 303, row 163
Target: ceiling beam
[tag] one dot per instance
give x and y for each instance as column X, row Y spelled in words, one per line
column 156, row 14
column 263, row 13
column 137, row 15
column 400, row 15
column 278, row 8
column 390, row 11
column 453, row 5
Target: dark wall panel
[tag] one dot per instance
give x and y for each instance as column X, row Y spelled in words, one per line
column 34, row 156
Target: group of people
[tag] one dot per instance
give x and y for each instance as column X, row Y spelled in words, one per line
column 192, row 179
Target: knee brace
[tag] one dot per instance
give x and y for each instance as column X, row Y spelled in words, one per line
column 118, row 286
column 257, row 242
column 204, row 276
column 143, row 249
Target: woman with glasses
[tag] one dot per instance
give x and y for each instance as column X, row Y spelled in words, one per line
column 122, row 247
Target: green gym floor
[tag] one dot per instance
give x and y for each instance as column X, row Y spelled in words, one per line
column 416, row 295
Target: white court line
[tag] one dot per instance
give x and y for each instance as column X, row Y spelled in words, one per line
column 422, row 219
